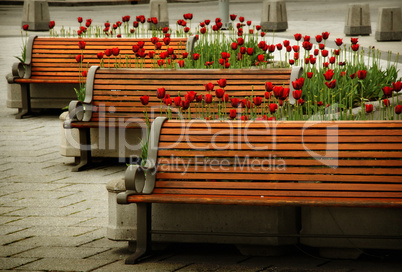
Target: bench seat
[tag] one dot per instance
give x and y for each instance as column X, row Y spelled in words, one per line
column 289, row 163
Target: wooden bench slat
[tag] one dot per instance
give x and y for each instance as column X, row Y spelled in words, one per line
column 289, row 162
column 272, row 201
column 282, row 177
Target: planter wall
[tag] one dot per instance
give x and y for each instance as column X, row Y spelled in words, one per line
column 111, row 143
column 239, row 225
column 351, row 221
column 43, row 96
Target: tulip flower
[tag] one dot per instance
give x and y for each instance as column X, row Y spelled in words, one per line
column 397, row 86
column 285, row 94
column 298, row 36
column 160, row 93
column 369, row 108
column 222, row 83
column 286, row 43
column 250, row 51
column 318, row 38
column 329, row 74
column 387, row 91
column 261, row 58
column 241, row 19
column 208, row 98
column 225, row 98
column 203, row 30
column 185, row 104
column 291, row 61
column 296, row 56
column 207, row 22
column 144, row 99
column 386, row 103
column 209, row 87
column 198, row 98
column 25, row 27
column 177, row 101
column 325, row 35
column 233, row 46
column 79, row 58
column 352, row 76
column 166, row 40
column 295, row 48
column 196, row 56
column 257, row 100
column 320, row 103
column 354, row 40
column 355, row 47
column 258, row 27
column 324, row 53
column 181, row 63
column 398, row 109
column 225, row 55
column 244, row 118
column 336, row 52
column 52, row 24
column 269, row 86
column 100, row 55
column 235, row 102
column 160, row 62
column 233, row 17
column 115, row 51
column 79, row 20
column 331, row 84
column 279, row 46
column 332, row 60
column 273, row 107
column 310, row 74
column 219, row 93
column 233, row 114
column 338, row 42
column 361, row 74
column 278, row 91
column 298, row 83
column 243, row 50
column 321, row 46
column 271, row 48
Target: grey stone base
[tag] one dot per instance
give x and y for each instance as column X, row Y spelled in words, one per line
column 388, row 36
column 357, row 30
column 159, row 25
column 274, row 26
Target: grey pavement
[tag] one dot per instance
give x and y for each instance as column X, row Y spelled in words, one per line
column 52, row 219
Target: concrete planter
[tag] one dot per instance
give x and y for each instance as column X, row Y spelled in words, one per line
column 111, row 143
column 241, row 225
column 43, row 96
column 368, row 224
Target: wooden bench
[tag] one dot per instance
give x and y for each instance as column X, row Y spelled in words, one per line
column 113, row 95
column 52, row 60
column 331, row 164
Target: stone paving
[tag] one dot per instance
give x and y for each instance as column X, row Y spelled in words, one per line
column 52, row 219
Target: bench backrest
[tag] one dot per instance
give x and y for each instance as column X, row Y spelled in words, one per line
column 116, row 92
column 54, row 58
column 339, row 163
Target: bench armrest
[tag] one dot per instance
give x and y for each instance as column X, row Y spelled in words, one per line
column 23, row 69
column 78, row 111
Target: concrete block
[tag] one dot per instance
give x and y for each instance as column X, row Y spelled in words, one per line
column 367, row 224
column 224, row 13
column 35, row 13
column 389, row 25
column 358, row 20
column 274, row 16
column 158, row 9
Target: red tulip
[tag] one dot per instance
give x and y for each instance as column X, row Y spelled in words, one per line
column 160, row 62
column 269, row 86
column 165, row 30
column 325, row 35
column 271, row 48
column 244, row 118
column 181, row 63
column 243, row 50
column 278, row 91
column 235, row 102
column 233, row 17
column 79, row 20
column 369, row 108
column 225, row 55
column 222, row 83
column 185, row 104
column 286, row 43
column 398, row 109
column 298, row 36
column 338, row 42
column 298, row 83
column 203, row 30
column 151, row 54
column 257, row 100
column 361, row 74
column 321, row 46
column 166, row 40
column 233, row 114
column 307, row 45
column 336, row 52
column 320, row 103
column 198, row 98
column 25, row 27
column 115, row 51
column 295, row 48
column 291, row 62
column 233, row 46
column 310, row 74
column 81, row 44
column 313, row 60
column 261, row 58
column 267, row 95
column 387, row 91
column 386, row 103
column 324, row 53
column 397, row 86
column 318, row 38
column 207, row 22
column 297, row 94
column 196, row 56
column 79, row 58
column 279, row 46
column 177, row 101
column 84, row 73
column 285, row 94
column 328, row 74
column 219, row 93
column 225, row 98
column 331, row 84
column 355, row 47
column 332, row 60
column 51, row 24
column 354, row 40
column 352, row 76
column 208, row 98
column 258, row 27
column 250, row 51
column 241, row 19
column 160, row 93
column 144, row 100
column 209, row 87
column 262, row 45
column 296, row 56
column 273, row 107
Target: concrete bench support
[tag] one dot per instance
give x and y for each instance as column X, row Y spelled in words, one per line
column 389, row 25
column 158, row 9
column 224, row 13
column 358, row 20
column 274, row 16
column 36, row 15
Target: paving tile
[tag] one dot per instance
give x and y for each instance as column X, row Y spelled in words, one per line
column 47, row 221
column 119, row 266
column 64, row 264
column 53, row 241
column 10, row 263
column 46, row 231
column 56, row 252
column 106, row 243
column 6, row 251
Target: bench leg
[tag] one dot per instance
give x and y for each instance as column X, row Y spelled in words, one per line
column 144, row 222
column 26, row 101
column 85, row 150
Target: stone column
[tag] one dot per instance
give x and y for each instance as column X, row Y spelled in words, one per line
column 36, row 15
column 358, row 20
column 224, row 13
column 274, row 16
column 389, row 25
column 158, row 9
